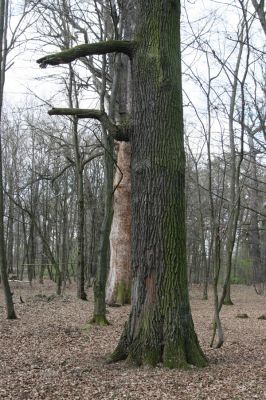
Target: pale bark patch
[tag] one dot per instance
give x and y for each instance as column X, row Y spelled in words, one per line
column 120, row 237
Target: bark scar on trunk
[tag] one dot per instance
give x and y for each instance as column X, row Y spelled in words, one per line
column 150, row 290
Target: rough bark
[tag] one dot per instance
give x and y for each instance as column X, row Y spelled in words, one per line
column 160, row 327
column 119, row 279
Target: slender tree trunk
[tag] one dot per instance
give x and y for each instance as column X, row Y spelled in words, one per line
column 64, row 237
column 234, row 206
column 34, row 198
column 18, row 247
column 3, row 262
column 263, row 246
column 91, row 250
column 205, row 263
column 81, row 255
column 45, row 230
column 42, row 268
column 254, row 235
column 81, row 223
column 217, row 306
column 99, row 314
column 79, row 173
column 10, row 227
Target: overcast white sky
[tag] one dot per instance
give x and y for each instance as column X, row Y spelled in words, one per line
column 25, row 73
column 25, row 76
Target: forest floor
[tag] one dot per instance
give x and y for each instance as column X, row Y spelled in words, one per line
column 47, row 353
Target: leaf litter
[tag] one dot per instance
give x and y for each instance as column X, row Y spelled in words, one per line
column 52, row 353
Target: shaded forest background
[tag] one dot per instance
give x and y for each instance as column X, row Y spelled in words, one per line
column 224, row 103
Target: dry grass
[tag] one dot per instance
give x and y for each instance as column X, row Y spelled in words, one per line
column 46, row 354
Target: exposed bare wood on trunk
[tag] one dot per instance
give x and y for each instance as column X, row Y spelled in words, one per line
column 119, row 279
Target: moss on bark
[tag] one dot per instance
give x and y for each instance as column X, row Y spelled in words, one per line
column 99, row 320
column 122, row 293
column 174, row 356
column 160, row 327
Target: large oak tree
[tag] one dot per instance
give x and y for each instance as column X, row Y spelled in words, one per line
column 160, row 326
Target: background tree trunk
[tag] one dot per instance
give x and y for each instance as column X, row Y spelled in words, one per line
column 3, row 262
column 99, row 313
column 119, row 279
column 254, row 234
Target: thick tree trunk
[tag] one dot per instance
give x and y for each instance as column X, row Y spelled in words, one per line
column 119, row 279
column 160, row 326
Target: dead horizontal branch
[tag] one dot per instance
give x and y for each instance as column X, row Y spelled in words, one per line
column 119, row 132
column 87, row 49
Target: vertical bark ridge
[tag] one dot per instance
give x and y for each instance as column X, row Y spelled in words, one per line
column 160, row 327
